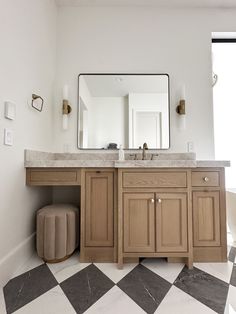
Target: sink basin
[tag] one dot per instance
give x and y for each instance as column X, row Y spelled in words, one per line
column 161, row 163
column 162, row 156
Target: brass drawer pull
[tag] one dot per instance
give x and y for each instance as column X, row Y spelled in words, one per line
column 159, row 200
column 152, row 200
column 205, row 179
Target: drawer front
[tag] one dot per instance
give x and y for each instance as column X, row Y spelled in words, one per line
column 205, row 178
column 53, row 177
column 154, row 179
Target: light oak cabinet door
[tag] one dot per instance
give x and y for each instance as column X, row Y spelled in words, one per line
column 99, row 207
column 171, row 222
column 139, row 222
column 206, row 218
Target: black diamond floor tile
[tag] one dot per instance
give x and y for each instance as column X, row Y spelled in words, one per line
column 86, row 287
column 23, row 289
column 145, row 287
column 204, row 287
column 232, row 254
column 233, row 276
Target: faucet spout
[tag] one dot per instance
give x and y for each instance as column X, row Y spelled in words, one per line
column 144, row 155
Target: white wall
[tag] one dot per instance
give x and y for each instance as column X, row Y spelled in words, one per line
column 148, row 40
column 27, row 64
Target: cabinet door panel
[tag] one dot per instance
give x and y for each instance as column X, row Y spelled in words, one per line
column 139, row 222
column 206, row 219
column 99, row 209
column 171, row 222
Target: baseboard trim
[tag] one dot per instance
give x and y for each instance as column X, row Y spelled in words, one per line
column 16, row 258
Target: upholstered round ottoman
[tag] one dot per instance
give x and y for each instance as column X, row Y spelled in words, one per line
column 57, row 232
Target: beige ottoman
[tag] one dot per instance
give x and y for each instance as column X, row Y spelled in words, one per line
column 57, row 232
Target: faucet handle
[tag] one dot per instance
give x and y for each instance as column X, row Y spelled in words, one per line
column 153, row 156
column 133, row 156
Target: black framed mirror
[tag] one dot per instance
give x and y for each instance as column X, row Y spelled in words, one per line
column 123, row 109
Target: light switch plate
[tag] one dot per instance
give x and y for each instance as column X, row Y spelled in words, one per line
column 8, row 137
column 10, row 110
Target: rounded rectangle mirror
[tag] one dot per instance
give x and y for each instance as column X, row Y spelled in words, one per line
column 123, row 109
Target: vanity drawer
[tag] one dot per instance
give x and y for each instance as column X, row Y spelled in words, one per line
column 53, row 176
column 205, row 178
column 154, row 179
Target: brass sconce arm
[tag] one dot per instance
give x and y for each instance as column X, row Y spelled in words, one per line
column 66, row 108
column 180, row 109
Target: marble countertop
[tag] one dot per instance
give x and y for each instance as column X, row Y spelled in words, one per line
column 34, row 159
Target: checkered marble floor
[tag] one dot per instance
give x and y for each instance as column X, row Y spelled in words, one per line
column 153, row 286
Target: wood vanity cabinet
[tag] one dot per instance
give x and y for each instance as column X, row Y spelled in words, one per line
column 97, row 215
column 146, row 212
column 209, row 215
column 99, row 208
column 206, row 217
column 139, row 222
column 155, row 222
column 178, row 214
column 171, row 222
column 154, row 214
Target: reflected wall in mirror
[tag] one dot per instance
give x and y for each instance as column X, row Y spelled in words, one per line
column 123, row 109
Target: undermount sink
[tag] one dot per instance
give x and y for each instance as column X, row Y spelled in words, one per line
column 161, row 156
column 156, row 163
column 163, row 160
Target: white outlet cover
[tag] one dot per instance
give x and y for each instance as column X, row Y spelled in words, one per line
column 190, row 147
column 8, row 137
column 10, row 110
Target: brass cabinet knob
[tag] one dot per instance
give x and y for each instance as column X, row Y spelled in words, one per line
column 152, row 200
column 159, row 200
column 205, row 179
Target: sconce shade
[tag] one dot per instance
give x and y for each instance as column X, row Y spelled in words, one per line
column 66, row 109
column 182, row 122
column 64, row 121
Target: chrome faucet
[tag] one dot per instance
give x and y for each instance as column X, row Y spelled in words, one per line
column 144, row 155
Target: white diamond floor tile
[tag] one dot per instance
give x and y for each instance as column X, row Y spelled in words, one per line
column 52, row 302
column 33, row 262
column 168, row 271
column 68, row 268
column 230, row 307
column 115, row 301
column 112, row 272
column 221, row 271
column 178, row 302
column 2, row 302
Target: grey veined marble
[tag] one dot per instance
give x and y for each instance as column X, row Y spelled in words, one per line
column 110, row 159
column 207, row 289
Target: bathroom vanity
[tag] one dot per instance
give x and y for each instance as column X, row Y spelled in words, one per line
column 173, row 208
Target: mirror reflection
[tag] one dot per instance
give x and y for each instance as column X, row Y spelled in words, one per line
column 123, row 109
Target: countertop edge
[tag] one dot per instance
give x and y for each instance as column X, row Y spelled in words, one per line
column 126, row 164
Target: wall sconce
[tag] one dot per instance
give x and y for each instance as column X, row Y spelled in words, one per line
column 37, row 102
column 66, row 108
column 180, row 109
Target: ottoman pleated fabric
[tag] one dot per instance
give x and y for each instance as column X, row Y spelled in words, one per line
column 57, row 232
